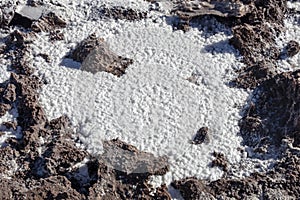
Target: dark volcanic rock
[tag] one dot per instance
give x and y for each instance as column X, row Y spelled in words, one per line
column 220, row 161
column 252, row 76
column 103, row 59
column 255, row 42
column 48, row 22
column 10, row 93
column 254, row 36
column 192, row 188
column 125, row 184
column 117, row 12
column 201, row 136
column 274, row 114
column 293, row 48
column 30, row 112
column 54, row 187
column 282, row 181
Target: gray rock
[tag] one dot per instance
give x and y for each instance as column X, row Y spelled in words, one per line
column 102, row 59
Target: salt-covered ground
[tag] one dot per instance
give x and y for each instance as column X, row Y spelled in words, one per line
column 153, row 106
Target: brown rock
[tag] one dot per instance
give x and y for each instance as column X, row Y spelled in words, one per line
column 117, row 13
column 10, row 93
column 192, row 188
column 48, row 22
column 293, row 48
column 10, row 125
column 229, row 8
column 201, row 136
column 84, row 48
column 96, row 56
column 220, row 161
column 126, row 158
column 4, row 108
column 274, row 114
column 103, row 59
column 54, row 187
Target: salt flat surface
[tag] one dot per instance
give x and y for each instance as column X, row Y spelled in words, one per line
column 153, row 106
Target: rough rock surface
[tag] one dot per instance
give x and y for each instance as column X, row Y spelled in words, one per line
column 24, row 16
column 282, row 182
column 103, row 59
column 96, row 56
column 85, row 47
column 117, row 13
column 274, row 114
column 48, row 22
column 7, row 11
column 293, row 48
column 220, row 161
column 229, row 8
column 202, row 136
column 126, row 158
column 254, row 36
column 192, row 188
